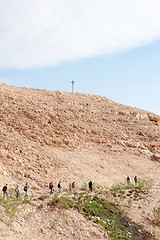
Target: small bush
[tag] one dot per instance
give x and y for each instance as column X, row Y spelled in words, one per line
column 61, row 202
column 43, row 197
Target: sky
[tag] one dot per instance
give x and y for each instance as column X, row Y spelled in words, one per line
column 109, row 48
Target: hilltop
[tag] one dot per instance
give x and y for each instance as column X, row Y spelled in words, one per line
column 76, row 136
column 53, row 135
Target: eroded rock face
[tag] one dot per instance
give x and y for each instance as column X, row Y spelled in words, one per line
column 32, row 122
column 154, row 118
column 156, row 157
column 54, row 135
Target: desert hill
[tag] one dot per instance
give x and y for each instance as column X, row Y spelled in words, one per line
column 49, row 134
column 52, row 135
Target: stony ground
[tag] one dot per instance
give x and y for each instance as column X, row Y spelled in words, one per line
column 52, row 135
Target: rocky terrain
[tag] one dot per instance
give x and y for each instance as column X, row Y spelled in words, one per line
column 52, row 135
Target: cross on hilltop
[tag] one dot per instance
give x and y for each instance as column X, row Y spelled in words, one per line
column 72, row 86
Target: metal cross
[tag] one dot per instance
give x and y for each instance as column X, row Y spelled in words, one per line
column 72, row 86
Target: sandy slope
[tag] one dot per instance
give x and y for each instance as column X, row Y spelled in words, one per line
column 63, row 136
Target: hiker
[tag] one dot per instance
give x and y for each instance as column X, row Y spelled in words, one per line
column 90, row 185
column 4, row 189
column 135, row 180
column 128, row 179
column 70, row 187
column 51, row 187
column 17, row 192
column 59, row 187
column 73, row 185
column 26, row 190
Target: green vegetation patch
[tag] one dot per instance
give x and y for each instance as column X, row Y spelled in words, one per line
column 129, row 192
column 99, row 210
column 12, row 205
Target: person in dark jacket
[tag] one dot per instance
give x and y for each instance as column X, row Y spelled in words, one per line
column 5, row 189
column 135, row 180
column 26, row 190
column 90, row 186
column 128, row 179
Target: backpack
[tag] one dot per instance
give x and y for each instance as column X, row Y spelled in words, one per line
column 4, row 189
column 90, row 183
column 50, row 185
column 25, row 188
column 59, row 185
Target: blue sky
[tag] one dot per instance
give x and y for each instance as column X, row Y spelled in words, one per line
column 131, row 78
column 109, row 48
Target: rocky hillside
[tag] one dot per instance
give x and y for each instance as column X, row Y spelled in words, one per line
column 36, row 125
column 52, row 135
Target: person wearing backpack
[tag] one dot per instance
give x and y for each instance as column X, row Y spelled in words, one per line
column 17, row 192
column 26, row 190
column 73, row 185
column 90, row 186
column 128, row 179
column 51, row 187
column 135, row 180
column 4, row 189
column 70, row 187
column 59, row 187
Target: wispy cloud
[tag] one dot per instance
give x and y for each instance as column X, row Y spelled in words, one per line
column 46, row 32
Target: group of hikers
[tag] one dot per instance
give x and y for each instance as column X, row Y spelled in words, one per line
column 5, row 191
column 135, row 180
column 51, row 187
column 71, row 186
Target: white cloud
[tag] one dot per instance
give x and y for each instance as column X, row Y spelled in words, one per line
column 37, row 33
